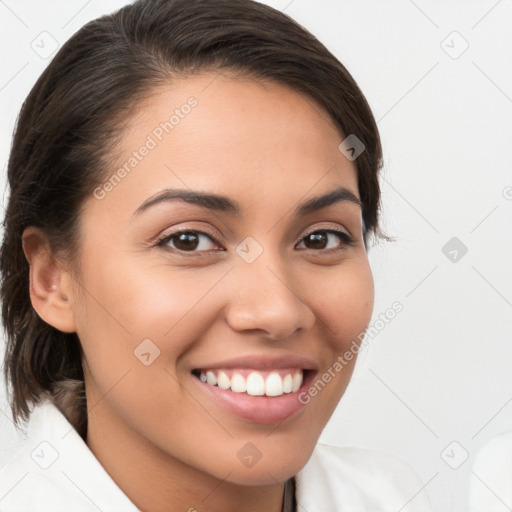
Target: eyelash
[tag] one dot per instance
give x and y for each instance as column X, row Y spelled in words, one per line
column 347, row 241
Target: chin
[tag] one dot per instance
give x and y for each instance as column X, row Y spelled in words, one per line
column 271, row 468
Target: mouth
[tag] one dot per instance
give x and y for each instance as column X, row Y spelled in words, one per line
column 265, row 392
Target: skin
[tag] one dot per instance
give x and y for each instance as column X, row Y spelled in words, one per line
column 152, row 428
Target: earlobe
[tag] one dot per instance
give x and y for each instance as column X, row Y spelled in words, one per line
column 50, row 283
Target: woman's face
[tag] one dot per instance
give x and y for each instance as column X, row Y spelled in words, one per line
column 259, row 292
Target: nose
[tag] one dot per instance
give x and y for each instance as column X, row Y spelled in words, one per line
column 266, row 300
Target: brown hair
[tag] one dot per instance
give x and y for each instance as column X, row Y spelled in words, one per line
column 69, row 124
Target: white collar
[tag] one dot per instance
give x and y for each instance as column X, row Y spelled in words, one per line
column 334, row 479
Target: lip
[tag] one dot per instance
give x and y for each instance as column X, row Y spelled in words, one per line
column 258, row 409
column 261, row 362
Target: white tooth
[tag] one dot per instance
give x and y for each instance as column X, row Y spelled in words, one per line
column 296, row 381
column 238, row 384
column 274, row 385
column 202, row 377
column 223, row 381
column 255, row 384
column 287, row 384
column 211, row 378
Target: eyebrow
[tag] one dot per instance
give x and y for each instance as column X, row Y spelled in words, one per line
column 225, row 204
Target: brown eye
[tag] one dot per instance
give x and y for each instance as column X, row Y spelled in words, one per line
column 321, row 239
column 188, row 241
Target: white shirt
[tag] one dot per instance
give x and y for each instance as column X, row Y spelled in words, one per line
column 55, row 471
column 490, row 487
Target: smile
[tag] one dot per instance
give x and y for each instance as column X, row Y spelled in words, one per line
column 256, row 388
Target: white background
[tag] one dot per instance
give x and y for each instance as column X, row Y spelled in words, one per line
column 441, row 371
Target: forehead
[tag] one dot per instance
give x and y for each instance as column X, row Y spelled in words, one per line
column 252, row 140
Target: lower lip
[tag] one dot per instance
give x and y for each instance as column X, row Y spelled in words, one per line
column 257, row 409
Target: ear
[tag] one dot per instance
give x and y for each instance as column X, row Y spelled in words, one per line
column 50, row 285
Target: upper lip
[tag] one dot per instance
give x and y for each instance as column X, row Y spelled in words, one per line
column 262, row 362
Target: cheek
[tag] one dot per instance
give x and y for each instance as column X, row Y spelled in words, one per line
column 125, row 304
column 344, row 306
column 345, row 303
column 135, row 300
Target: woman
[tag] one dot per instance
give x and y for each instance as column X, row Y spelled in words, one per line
column 193, row 185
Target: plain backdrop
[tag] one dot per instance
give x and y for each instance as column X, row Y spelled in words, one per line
column 436, row 382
